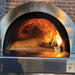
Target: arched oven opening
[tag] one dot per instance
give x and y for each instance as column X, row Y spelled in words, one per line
column 36, row 34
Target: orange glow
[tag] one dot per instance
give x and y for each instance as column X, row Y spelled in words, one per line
column 59, row 40
column 47, row 44
column 50, row 32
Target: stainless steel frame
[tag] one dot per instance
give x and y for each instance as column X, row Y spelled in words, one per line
column 34, row 65
column 38, row 65
column 40, row 7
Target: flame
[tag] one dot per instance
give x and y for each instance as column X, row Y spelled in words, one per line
column 59, row 40
column 50, row 32
column 50, row 38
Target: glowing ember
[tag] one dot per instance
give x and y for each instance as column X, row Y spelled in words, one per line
column 50, row 32
column 47, row 44
column 59, row 41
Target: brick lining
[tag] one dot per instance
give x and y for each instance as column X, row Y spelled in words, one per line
column 66, row 5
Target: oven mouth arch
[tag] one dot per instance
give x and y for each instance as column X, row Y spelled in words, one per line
column 59, row 26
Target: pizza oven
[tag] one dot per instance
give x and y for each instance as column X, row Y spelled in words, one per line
column 36, row 34
column 37, row 29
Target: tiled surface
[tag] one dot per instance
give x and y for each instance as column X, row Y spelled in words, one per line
column 2, row 8
column 66, row 5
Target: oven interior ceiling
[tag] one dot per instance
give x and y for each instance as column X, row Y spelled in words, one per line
column 35, row 37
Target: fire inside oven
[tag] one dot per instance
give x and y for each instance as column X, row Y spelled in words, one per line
column 36, row 34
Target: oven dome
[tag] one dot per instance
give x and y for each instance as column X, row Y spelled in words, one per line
column 37, row 34
column 14, row 30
